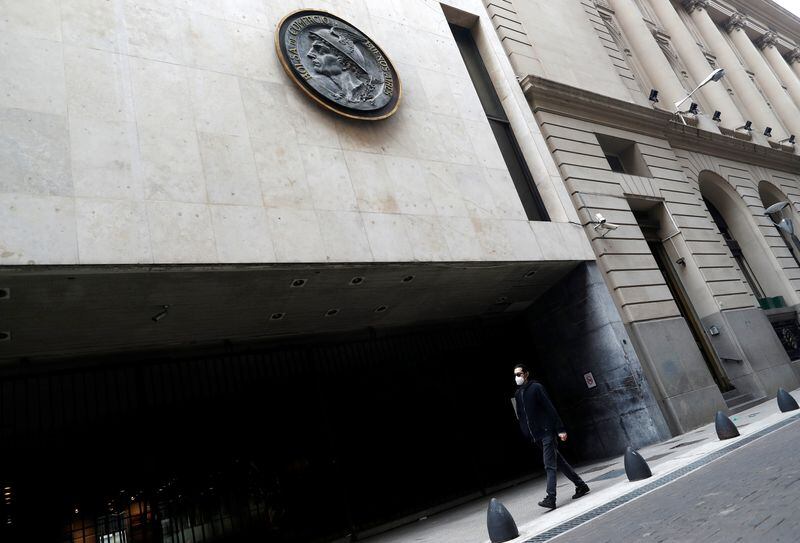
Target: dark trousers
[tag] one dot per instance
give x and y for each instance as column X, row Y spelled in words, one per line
column 552, row 460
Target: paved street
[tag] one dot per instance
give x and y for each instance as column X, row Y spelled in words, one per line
column 750, row 495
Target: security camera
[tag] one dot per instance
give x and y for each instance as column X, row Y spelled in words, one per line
column 601, row 223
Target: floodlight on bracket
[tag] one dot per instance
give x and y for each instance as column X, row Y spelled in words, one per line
column 785, row 225
column 716, row 75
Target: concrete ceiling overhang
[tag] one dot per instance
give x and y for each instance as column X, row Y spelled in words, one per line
column 63, row 312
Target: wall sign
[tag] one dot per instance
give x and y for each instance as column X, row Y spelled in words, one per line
column 589, row 378
column 337, row 65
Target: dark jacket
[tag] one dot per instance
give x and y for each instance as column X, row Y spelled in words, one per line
column 537, row 416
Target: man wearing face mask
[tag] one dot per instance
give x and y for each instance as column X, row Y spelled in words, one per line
column 540, row 423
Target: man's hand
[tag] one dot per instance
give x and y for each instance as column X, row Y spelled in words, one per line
column 562, row 436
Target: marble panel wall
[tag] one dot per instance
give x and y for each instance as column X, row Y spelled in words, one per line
column 165, row 131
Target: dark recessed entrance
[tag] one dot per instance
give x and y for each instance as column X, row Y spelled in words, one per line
column 292, row 442
column 649, row 215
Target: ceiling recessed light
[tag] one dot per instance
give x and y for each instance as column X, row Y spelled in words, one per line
column 381, row 308
column 5, row 335
column 299, row 283
column 5, row 293
column 408, row 278
column 331, row 312
column 277, row 316
column 161, row 314
column 356, row 280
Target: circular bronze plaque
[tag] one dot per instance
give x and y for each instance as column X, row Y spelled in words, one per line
column 337, row 65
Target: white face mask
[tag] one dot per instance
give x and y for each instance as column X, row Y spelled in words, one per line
column 520, row 380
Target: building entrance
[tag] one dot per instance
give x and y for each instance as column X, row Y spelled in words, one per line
column 295, row 442
column 650, row 224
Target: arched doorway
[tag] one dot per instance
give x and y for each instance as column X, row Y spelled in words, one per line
column 758, row 265
column 783, row 216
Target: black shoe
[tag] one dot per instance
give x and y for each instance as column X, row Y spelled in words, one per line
column 580, row 491
column 549, row 502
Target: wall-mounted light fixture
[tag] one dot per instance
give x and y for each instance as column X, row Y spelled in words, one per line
column 717, row 116
column 748, row 125
column 789, row 140
column 768, row 131
column 775, row 208
column 693, row 109
column 161, row 314
column 716, row 75
column 653, row 96
column 785, row 225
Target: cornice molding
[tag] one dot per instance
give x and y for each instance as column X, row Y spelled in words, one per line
column 764, row 15
column 548, row 96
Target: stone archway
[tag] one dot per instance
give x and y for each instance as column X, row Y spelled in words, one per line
column 757, row 262
column 786, row 218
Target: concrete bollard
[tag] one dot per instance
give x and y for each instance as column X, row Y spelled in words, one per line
column 500, row 523
column 725, row 427
column 786, row 402
column 636, row 467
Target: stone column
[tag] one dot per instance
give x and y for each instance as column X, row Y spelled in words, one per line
column 697, row 64
column 793, row 58
column 652, row 58
column 768, row 44
column 756, row 109
column 781, row 103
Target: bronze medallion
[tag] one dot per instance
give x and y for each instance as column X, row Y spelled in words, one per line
column 337, row 65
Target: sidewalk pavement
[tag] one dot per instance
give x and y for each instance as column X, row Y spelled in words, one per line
column 606, row 478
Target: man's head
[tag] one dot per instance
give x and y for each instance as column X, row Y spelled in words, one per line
column 333, row 51
column 324, row 58
column 521, row 374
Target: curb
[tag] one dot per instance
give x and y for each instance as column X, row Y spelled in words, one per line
column 661, row 481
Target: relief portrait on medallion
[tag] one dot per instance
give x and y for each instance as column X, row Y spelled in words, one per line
column 334, row 54
column 338, row 65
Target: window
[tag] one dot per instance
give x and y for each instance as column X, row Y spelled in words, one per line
column 735, row 249
column 623, row 156
column 615, row 163
column 501, row 127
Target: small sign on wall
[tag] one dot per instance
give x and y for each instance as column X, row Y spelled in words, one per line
column 589, row 378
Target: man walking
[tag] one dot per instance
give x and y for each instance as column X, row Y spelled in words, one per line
column 540, row 423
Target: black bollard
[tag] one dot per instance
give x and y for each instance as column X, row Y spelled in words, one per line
column 636, row 467
column 786, row 402
column 500, row 523
column 726, row 429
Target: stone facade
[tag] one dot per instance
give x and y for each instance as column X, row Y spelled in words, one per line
column 148, row 132
column 169, row 194
column 676, row 163
column 141, row 132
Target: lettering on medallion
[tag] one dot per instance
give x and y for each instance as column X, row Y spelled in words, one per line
column 338, row 65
